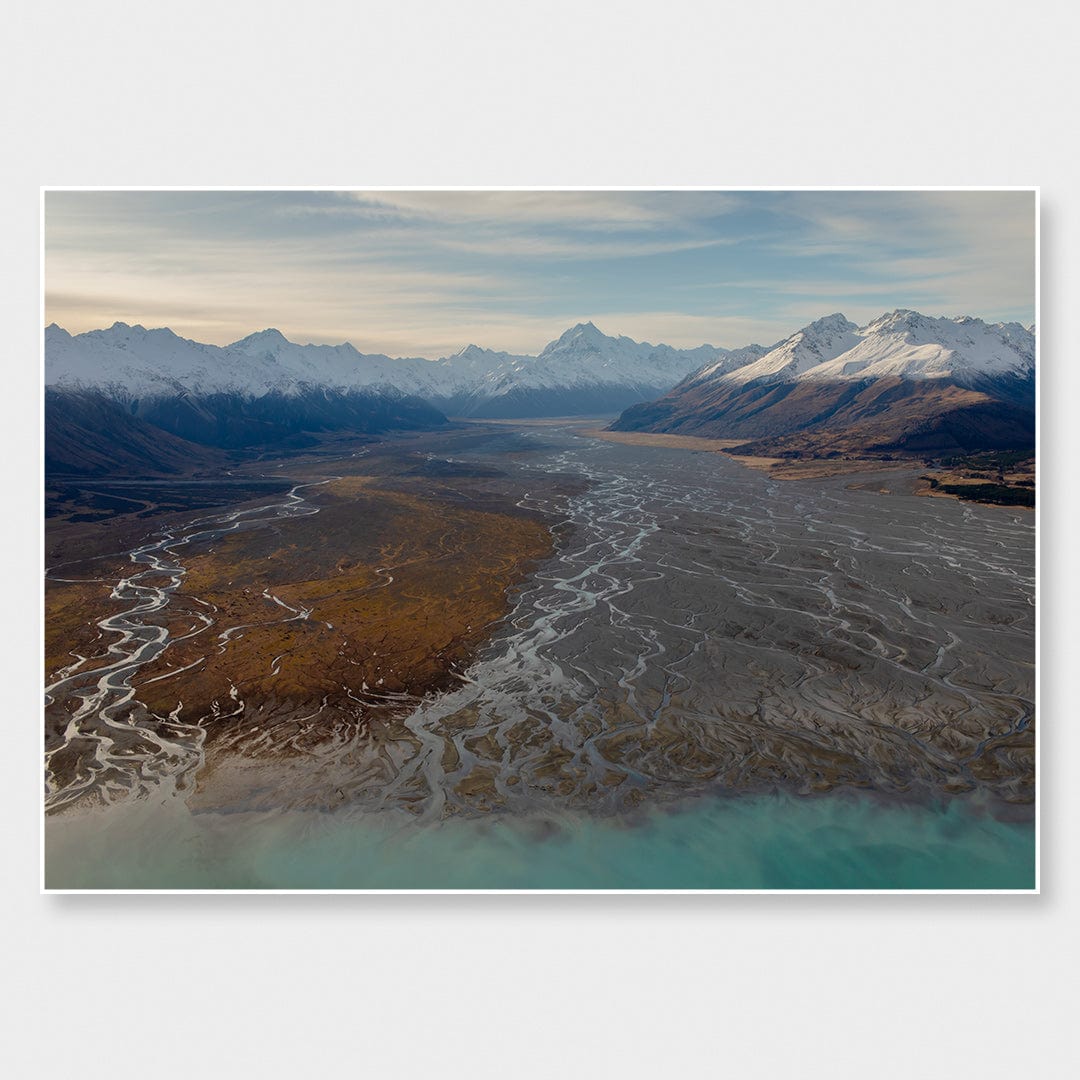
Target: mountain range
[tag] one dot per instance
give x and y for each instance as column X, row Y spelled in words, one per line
column 903, row 382
column 109, row 391
column 581, row 369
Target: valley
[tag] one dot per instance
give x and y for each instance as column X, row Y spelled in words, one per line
column 286, row 587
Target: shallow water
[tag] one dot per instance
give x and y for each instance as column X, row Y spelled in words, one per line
column 749, row 842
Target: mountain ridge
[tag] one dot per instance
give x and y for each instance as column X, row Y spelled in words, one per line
column 829, row 368
column 581, row 370
column 904, row 382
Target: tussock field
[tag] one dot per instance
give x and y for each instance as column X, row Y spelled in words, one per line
column 288, row 629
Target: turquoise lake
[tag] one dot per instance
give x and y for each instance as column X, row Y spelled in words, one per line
column 751, row 842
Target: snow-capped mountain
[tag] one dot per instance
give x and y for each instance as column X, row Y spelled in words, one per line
column 114, row 389
column 583, row 371
column 136, row 362
column 260, row 391
column 585, row 354
column 728, row 362
column 908, row 345
column 899, row 372
column 902, row 343
column 805, row 349
column 905, row 379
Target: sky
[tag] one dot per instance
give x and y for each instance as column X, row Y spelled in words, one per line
column 424, row 273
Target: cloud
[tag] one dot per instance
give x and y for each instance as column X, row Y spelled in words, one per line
column 425, row 272
column 590, row 210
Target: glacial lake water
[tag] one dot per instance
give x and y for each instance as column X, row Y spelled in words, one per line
column 750, row 842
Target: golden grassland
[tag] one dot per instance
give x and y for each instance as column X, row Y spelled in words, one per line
column 667, row 442
column 71, row 612
column 399, row 588
column 811, row 469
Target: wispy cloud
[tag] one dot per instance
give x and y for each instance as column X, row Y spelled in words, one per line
column 590, row 210
column 424, row 272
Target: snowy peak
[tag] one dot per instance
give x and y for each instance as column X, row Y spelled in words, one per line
column 899, row 320
column 728, row 361
column 904, row 383
column 585, row 356
column 823, row 337
column 269, row 340
column 584, row 337
column 473, row 354
column 119, row 331
column 829, row 325
column 122, row 331
column 133, row 362
column 907, row 344
column 900, row 344
column 814, row 344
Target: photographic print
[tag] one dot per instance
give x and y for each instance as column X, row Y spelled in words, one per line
column 539, row 539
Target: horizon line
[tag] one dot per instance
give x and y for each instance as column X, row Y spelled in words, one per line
column 468, row 345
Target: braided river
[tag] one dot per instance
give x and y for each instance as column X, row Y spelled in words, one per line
column 719, row 680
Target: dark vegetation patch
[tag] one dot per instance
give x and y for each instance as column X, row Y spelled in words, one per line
column 993, row 459
column 100, row 500
column 999, row 494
